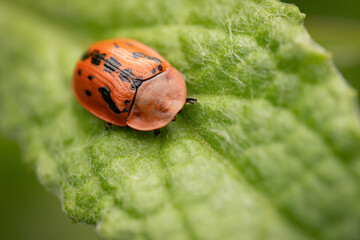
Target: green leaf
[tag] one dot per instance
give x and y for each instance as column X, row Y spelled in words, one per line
column 271, row 151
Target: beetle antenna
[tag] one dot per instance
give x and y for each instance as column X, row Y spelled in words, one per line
column 191, row 100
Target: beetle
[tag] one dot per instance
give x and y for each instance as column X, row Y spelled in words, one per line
column 126, row 83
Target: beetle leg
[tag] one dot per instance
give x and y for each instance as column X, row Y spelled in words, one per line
column 156, row 132
column 191, row 100
column 108, row 126
column 174, row 119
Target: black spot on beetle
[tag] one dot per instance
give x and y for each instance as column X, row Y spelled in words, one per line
column 139, row 54
column 100, row 55
column 160, row 68
column 125, row 110
column 105, row 94
column 79, row 72
column 84, row 56
column 153, row 59
column 127, row 101
column 90, row 77
column 126, row 75
column 87, row 92
column 116, row 46
column 137, row 83
column 96, row 57
column 113, row 61
column 95, row 61
column 109, row 68
column 111, row 65
column 153, row 71
column 132, row 87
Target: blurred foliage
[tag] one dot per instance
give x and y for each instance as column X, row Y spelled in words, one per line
column 329, row 187
column 341, row 37
column 28, row 211
column 329, row 8
column 336, row 26
column 326, row 8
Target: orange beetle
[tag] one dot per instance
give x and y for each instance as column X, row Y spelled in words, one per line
column 126, row 83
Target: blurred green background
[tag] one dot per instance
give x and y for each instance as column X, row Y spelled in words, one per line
column 335, row 25
column 28, row 211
